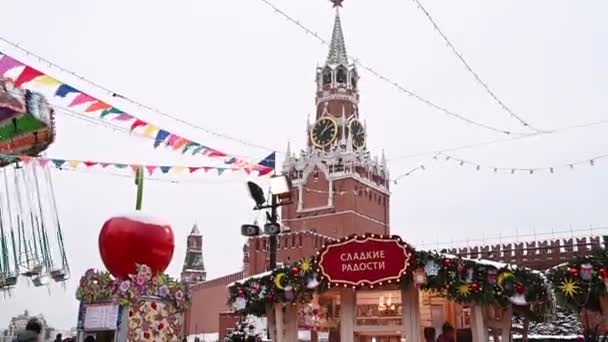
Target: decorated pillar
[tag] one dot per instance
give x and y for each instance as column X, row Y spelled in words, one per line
column 479, row 330
column 498, row 319
column 291, row 323
column 279, row 323
column 271, row 320
column 410, row 313
column 347, row 314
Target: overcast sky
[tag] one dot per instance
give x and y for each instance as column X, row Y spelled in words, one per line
column 239, row 68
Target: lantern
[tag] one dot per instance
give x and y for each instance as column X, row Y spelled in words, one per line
column 492, row 275
column 586, row 272
column 420, row 277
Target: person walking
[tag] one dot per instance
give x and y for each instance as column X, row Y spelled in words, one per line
column 58, row 338
column 447, row 333
column 429, row 334
column 32, row 332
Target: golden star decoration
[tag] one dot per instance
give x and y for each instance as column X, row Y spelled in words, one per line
column 569, row 287
column 306, row 265
column 464, row 289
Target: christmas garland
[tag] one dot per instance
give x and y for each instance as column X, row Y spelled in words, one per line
column 95, row 286
column 99, row 286
column 287, row 284
column 481, row 282
column 460, row 280
column 582, row 282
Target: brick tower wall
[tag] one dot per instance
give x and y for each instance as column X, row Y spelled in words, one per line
column 539, row 255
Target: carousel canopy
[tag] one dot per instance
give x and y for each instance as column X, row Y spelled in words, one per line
column 26, row 121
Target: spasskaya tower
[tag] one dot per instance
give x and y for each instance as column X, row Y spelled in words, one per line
column 339, row 187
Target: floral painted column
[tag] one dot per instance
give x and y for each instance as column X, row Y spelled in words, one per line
column 348, row 308
column 410, row 303
column 479, row 330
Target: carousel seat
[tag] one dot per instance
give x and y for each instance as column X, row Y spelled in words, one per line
column 40, row 281
column 34, row 271
column 59, row 275
column 11, row 280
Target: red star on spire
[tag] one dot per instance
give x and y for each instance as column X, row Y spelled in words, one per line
column 337, row 3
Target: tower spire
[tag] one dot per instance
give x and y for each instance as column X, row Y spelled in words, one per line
column 337, row 47
column 193, row 270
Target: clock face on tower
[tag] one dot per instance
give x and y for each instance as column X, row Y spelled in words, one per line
column 358, row 133
column 324, row 132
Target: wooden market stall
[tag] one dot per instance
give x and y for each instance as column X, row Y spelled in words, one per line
column 378, row 288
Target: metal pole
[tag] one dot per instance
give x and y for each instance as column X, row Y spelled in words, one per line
column 139, row 181
column 273, row 238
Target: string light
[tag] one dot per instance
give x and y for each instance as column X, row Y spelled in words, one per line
column 472, row 72
column 531, row 171
column 406, row 174
column 384, row 78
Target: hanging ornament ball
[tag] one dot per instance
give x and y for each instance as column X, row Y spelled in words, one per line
column 295, row 271
column 315, row 311
column 603, row 273
column 573, row 272
column 251, row 327
column 475, row 287
column 520, row 288
column 241, row 292
column 269, row 298
column 446, row 262
column 125, row 241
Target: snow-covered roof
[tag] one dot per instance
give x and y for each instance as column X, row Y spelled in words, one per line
column 255, row 276
column 495, row 264
column 549, row 337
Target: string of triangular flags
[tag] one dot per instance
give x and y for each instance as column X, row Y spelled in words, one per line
column 93, row 106
column 268, row 162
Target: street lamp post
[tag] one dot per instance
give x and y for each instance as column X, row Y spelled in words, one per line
column 273, row 237
column 280, row 195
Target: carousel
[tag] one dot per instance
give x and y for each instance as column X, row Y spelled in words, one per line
column 31, row 240
column 378, row 288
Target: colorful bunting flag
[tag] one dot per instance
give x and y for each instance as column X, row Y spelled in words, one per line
column 8, row 63
column 47, row 81
column 95, row 106
column 104, row 110
column 152, row 169
column 63, row 89
column 160, row 137
column 28, row 74
column 80, row 99
column 58, row 163
column 137, row 123
column 109, row 111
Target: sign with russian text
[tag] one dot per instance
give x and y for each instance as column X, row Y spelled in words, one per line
column 365, row 261
column 101, row 317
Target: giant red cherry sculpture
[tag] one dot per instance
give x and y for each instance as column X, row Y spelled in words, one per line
column 125, row 241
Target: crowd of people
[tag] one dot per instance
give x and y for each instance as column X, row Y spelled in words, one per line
column 34, row 333
column 447, row 334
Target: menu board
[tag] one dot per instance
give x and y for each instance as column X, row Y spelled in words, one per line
column 101, row 317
